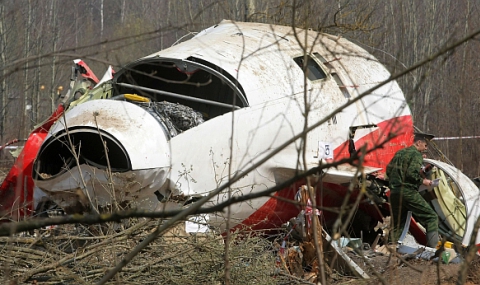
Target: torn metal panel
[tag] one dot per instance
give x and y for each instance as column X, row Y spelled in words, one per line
column 459, row 193
column 84, row 188
column 344, row 261
column 345, row 173
column 188, row 119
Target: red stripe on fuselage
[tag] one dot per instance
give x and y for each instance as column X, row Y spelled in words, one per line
column 16, row 191
column 275, row 212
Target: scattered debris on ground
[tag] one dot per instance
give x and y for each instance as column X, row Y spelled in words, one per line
column 78, row 254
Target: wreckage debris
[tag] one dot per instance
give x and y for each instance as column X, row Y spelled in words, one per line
column 300, row 258
column 176, row 144
column 297, row 254
column 176, row 117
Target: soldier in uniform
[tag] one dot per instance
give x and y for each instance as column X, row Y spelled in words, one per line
column 404, row 177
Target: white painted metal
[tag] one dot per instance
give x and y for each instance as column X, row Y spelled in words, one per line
column 346, row 173
column 133, row 188
column 138, row 132
column 260, row 57
column 470, row 197
column 107, row 76
column 199, row 160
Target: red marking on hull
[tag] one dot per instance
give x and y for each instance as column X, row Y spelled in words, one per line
column 417, row 232
column 16, row 191
column 401, row 128
column 276, row 212
column 88, row 73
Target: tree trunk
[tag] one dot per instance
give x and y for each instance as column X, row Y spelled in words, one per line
column 462, row 83
column 249, row 9
column 3, row 90
column 54, row 57
column 122, row 13
column 26, row 107
column 101, row 20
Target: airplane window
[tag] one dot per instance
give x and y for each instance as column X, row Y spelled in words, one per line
column 193, row 82
column 334, row 74
column 340, row 84
column 313, row 70
column 320, row 57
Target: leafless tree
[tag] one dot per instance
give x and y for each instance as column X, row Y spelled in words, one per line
column 442, row 93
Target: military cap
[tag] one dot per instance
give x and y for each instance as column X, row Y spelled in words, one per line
column 423, row 136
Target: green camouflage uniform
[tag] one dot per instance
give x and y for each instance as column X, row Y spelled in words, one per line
column 403, row 173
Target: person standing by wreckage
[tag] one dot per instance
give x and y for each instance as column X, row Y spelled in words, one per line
column 404, row 177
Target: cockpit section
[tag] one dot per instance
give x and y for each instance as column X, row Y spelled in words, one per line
column 194, row 82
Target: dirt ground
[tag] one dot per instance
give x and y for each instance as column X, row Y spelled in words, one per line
column 386, row 270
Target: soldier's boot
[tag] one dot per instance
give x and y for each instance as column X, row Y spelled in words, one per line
column 432, row 239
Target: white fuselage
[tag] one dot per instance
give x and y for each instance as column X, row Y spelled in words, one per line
column 281, row 102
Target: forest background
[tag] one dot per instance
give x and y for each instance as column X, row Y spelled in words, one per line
column 40, row 39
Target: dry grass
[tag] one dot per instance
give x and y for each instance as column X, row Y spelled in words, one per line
column 79, row 255
column 76, row 254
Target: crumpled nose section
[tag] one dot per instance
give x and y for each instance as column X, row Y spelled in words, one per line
column 82, row 145
column 105, row 133
column 103, row 152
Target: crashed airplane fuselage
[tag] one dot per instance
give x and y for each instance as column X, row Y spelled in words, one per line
column 247, row 83
column 175, row 125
